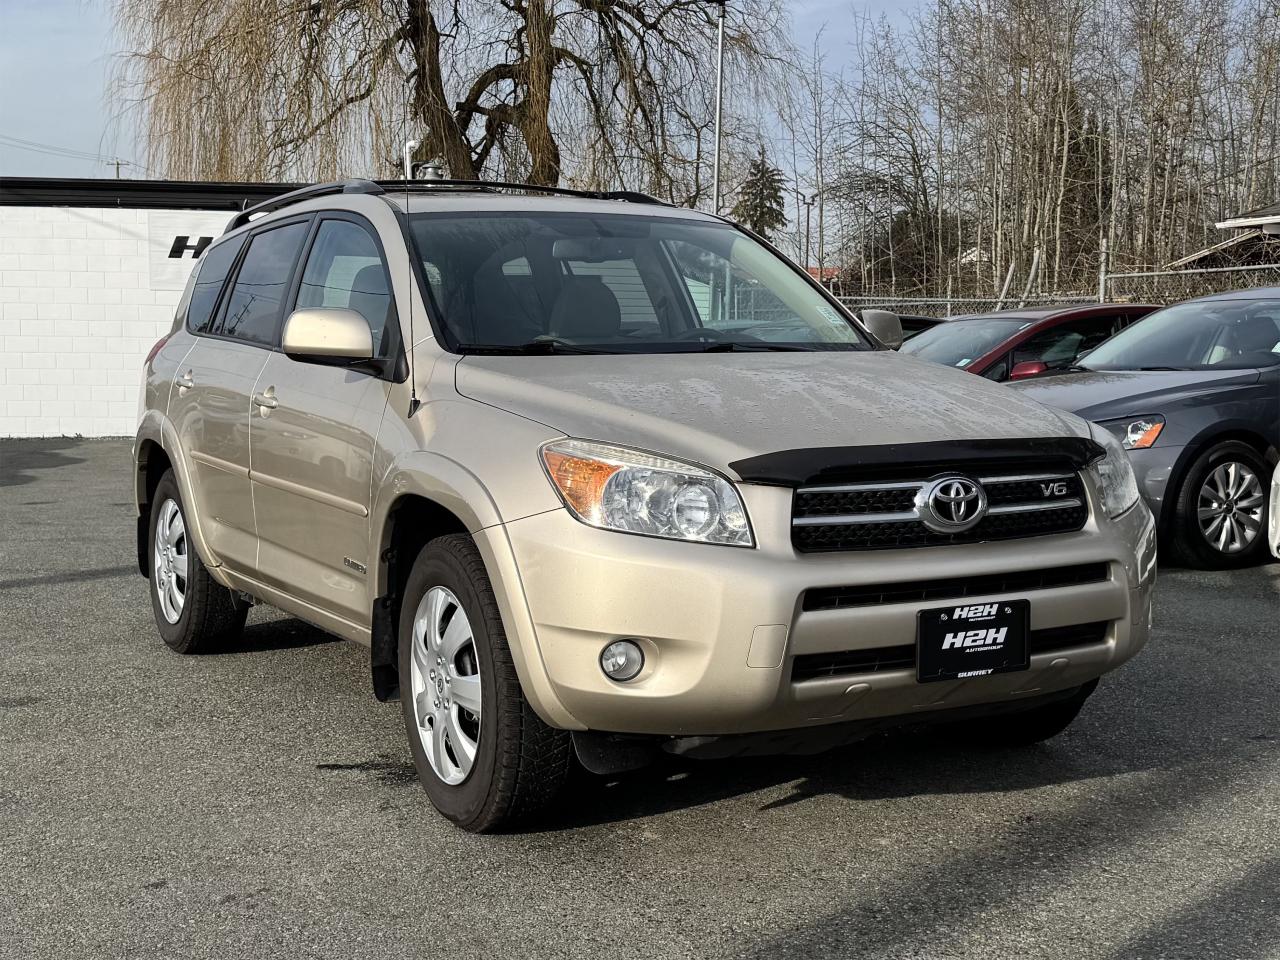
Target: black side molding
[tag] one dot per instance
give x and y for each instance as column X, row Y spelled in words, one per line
column 794, row 468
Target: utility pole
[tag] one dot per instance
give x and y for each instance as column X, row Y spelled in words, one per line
column 117, row 163
column 715, row 179
column 808, row 209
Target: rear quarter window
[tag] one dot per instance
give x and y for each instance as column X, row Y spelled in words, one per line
column 210, row 277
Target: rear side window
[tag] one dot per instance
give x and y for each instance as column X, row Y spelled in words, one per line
column 253, row 308
column 345, row 269
column 212, row 274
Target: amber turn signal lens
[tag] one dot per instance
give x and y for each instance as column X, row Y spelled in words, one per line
column 1142, row 434
column 580, row 481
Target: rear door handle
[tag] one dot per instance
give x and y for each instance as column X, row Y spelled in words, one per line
column 267, row 401
column 185, row 382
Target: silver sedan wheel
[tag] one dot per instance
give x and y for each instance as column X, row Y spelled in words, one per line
column 170, row 560
column 1230, row 507
column 445, row 685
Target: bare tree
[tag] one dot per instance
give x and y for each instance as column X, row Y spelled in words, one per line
column 606, row 90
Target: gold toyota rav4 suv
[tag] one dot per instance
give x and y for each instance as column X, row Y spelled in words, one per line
column 595, row 477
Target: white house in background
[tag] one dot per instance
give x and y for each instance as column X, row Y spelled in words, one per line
column 1266, row 219
column 90, row 273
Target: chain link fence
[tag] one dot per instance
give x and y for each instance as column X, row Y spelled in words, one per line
column 1142, row 286
column 1172, row 286
column 960, row 306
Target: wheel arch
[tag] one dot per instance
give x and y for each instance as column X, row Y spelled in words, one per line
column 424, row 497
column 155, row 449
column 1209, row 437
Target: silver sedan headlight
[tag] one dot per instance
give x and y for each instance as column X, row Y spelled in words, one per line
column 631, row 491
column 1113, row 474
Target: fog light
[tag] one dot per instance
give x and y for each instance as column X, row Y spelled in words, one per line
column 622, row 660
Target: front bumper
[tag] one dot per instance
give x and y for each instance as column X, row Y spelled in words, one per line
column 721, row 626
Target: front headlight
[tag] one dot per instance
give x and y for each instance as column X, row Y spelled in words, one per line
column 1135, row 433
column 635, row 492
column 1113, row 474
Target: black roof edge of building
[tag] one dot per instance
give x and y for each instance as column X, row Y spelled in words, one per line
column 183, row 194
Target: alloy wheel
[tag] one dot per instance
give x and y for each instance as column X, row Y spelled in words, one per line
column 170, row 559
column 1229, row 507
column 445, row 685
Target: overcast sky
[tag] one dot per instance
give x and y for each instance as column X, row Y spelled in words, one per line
column 55, row 59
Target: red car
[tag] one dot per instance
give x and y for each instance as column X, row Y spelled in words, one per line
column 1021, row 343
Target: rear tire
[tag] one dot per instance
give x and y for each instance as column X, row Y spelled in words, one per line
column 491, row 761
column 1233, row 533
column 194, row 613
column 1024, row 728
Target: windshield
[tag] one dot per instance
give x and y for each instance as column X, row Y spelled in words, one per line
column 617, row 283
column 1215, row 334
column 958, row 343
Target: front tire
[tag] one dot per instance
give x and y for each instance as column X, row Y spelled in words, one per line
column 1220, row 515
column 483, row 756
column 194, row 613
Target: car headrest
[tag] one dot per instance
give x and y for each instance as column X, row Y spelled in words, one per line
column 369, row 295
column 585, row 308
column 1257, row 334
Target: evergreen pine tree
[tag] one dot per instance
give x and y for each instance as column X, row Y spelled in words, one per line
column 759, row 203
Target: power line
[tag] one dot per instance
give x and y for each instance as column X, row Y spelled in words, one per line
column 69, row 153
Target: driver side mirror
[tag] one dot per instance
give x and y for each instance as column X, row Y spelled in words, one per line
column 885, row 326
column 332, row 335
column 1027, row 368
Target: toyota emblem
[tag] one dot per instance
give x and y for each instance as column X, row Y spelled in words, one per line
column 952, row 504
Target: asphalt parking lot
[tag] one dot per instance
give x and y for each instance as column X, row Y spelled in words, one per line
column 261, row 803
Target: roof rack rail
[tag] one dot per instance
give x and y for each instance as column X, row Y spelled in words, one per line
column 377, row 187
column 426, row 186
column 296, row 196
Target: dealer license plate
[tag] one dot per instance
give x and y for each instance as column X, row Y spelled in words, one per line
column 972, row 640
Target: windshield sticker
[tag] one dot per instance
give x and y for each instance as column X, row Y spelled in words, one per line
column 965, row 362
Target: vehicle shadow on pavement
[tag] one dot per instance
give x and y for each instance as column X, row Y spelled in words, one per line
column 281, row 633
column 23, row 458
column 886, row 766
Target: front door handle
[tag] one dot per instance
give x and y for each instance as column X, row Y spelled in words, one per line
column 267, row 400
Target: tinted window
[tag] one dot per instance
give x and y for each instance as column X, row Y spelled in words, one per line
column 1228, row 334
column 618, row 283
column 1059, row 346
column 958, row 343
column 345, row 269
column 212, row 273
column 253, row 308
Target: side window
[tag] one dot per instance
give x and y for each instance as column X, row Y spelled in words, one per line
column 345, row 269
column 1059, row 346
column 998, row 371
column 211, row 274
column 253, row 308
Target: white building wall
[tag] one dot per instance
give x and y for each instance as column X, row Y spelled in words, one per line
column 84, row 294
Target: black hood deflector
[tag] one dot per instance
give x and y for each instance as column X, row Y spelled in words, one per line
column 794, row 468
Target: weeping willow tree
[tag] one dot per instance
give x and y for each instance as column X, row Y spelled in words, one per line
column 598, row 91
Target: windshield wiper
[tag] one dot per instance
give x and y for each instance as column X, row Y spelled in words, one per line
column 539, row 347
column 733, row 346
column 1153, row 369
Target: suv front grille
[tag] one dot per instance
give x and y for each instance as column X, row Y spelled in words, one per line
column 953, row 588
column 817, row 666
column 884, row 515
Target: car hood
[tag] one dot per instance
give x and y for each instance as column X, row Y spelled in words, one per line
column 718, row 408
column 1101, row 394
